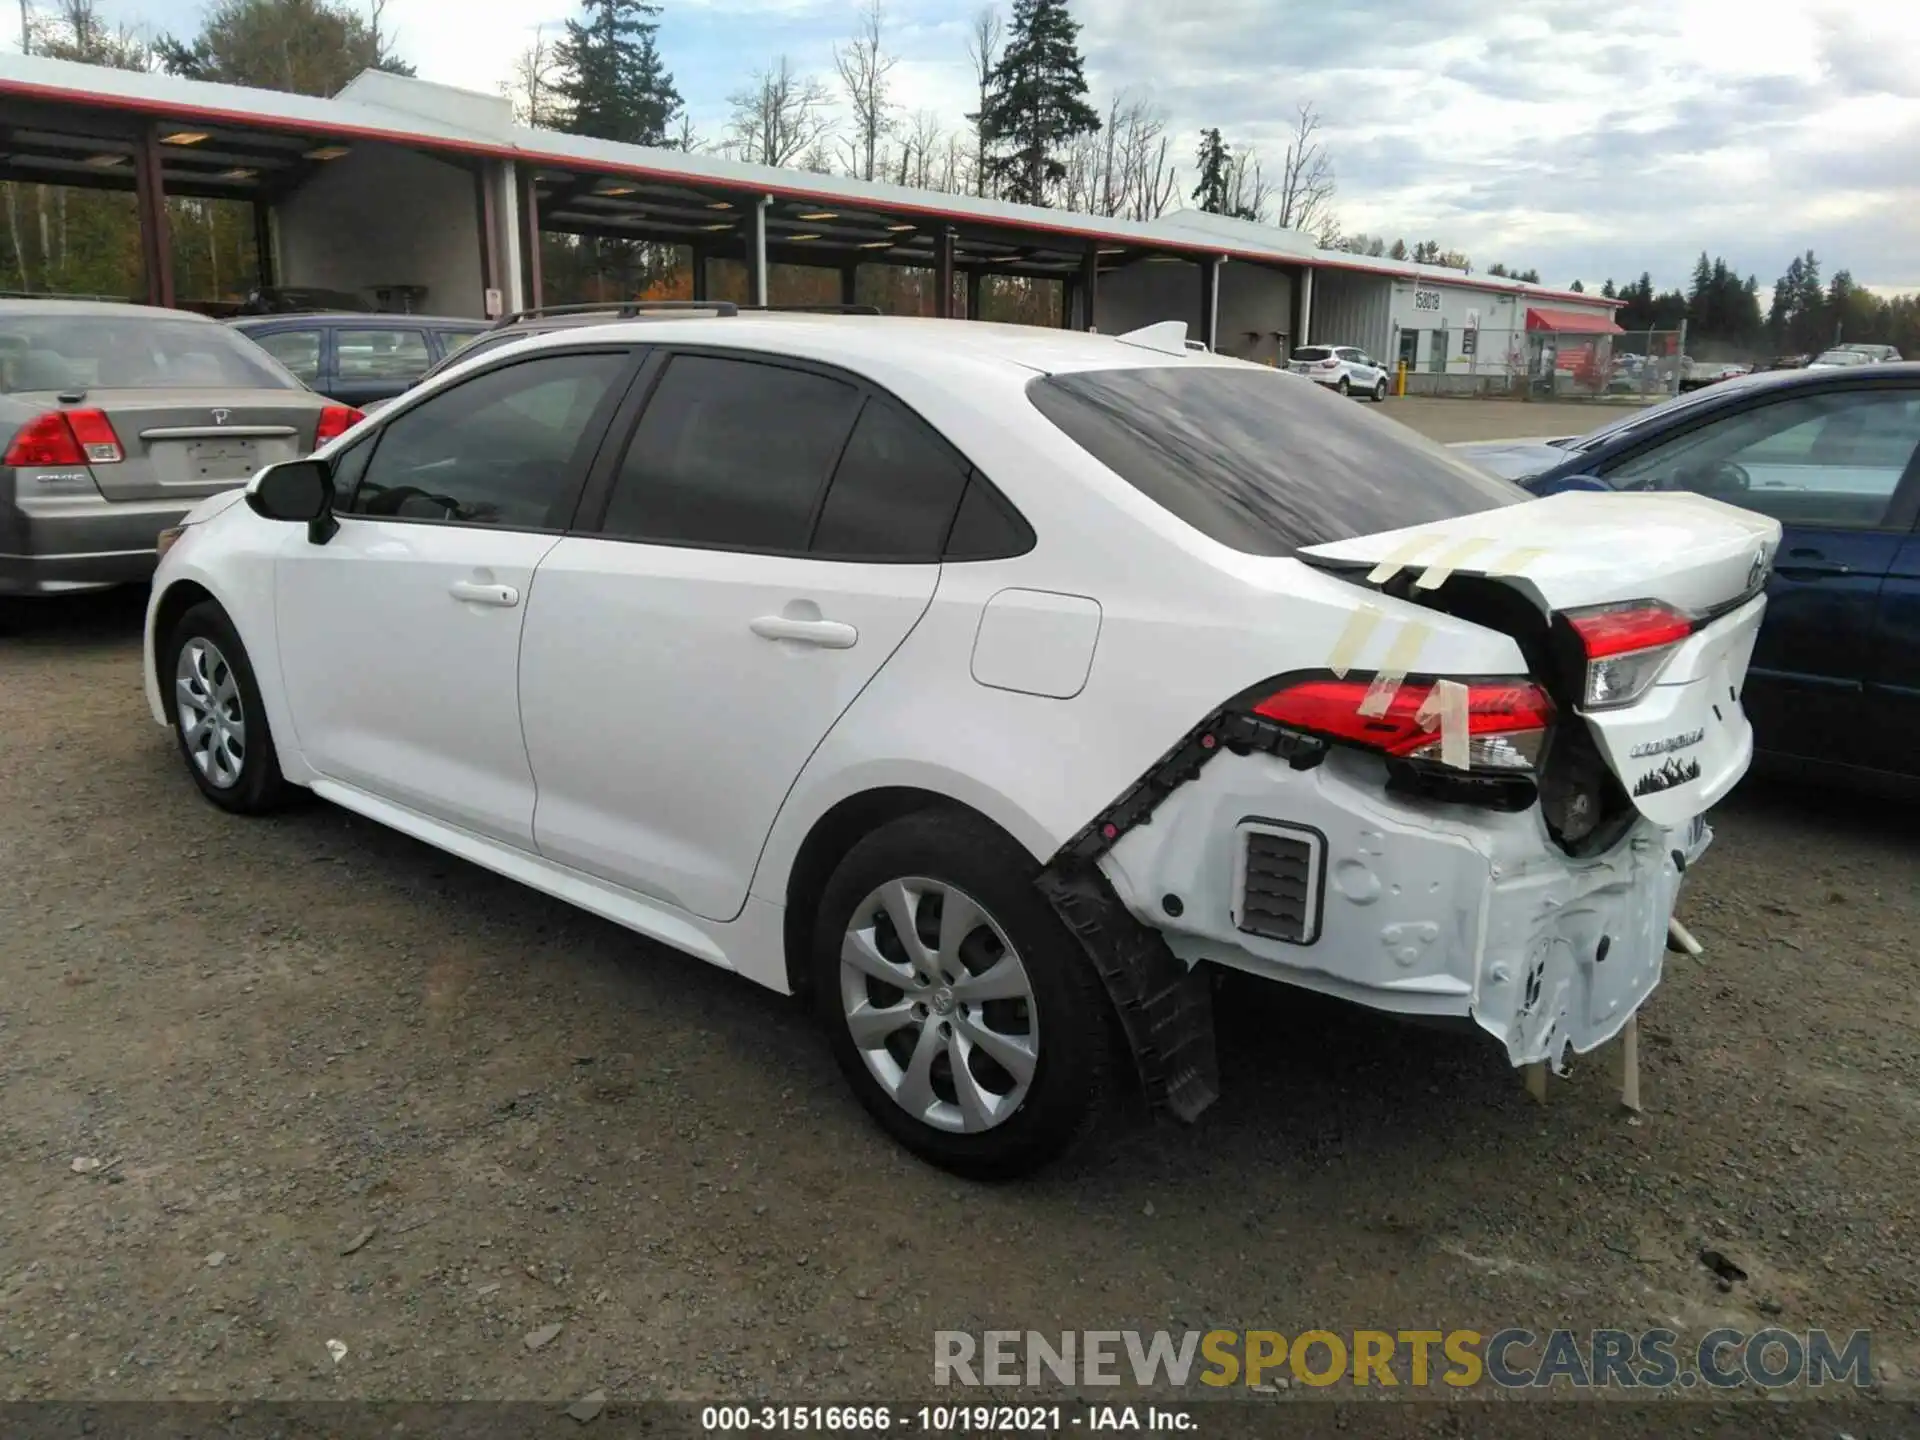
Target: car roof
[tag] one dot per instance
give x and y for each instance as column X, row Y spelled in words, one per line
column 371, row 318
column 53, row 305
column 894, row 342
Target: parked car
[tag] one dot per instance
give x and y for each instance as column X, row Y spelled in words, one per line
column 1840, row 359
column 1878, row 354
column 1834, row 456
column 358, row 359
column 1342, row 368
column 1698, row 374
column 856, row 655
column 116, row 419
column 1788, row 362
column 302, row 300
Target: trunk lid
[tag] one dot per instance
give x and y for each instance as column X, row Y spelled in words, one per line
column 1684, row 742
column 187, row 444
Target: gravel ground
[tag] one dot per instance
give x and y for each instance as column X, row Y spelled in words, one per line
column 342, row 1088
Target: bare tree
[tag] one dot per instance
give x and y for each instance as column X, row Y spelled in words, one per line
column 1125, row 168
column 529, row 85
column 781, row 117
column 1304, row 194
column 984, row 50
column 685, row 137
column 864, row 67
column 1326, row 233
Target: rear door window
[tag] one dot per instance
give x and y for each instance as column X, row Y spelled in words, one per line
column 380, row 354
column 1260, row 461
column 298, row 350
column 894, row 493
column 732, row 454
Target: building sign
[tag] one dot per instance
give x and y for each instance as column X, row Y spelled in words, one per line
column 1470, row 338
column 1426, row 300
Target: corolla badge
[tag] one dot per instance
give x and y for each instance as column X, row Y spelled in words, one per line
column 1757, row 572
column 220, row 416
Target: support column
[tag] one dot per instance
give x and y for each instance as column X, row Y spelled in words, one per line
column 699, row 253
column 512, row 271
column 1090, row 289
column 264, row 268
column 943, row 274
column 849, row 284
column 156, row 241
column 1210, row 301
column 1068, row 299
column 974, row 279
column 1303, row 332
column 530, row 258
column 489, row 242
column 757, row 250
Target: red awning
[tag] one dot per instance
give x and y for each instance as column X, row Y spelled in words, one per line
column 1572, row 322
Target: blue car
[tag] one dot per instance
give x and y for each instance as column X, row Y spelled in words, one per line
column 1834, row 455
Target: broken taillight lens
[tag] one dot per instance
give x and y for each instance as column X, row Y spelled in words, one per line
column 1505, row 721
column 1627, row 646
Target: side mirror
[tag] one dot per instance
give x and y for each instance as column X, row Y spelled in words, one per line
column 297, row 490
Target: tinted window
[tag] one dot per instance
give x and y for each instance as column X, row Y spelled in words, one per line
column 1312, row 352
column 987, row 527
column 733, row 453
column 298, row 350
column 1832, row 459
column 131, row 352
column 380, row 354
column 452, row 342
column 1259, row 460
column 895, row 491
column 498, row 449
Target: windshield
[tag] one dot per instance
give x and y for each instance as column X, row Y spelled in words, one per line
column 1841, row 357
column 1259, row 460
column 131, row 352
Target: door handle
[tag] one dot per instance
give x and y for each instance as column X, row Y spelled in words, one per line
column 827, row 634
column 1812, row 568
column 475, row 593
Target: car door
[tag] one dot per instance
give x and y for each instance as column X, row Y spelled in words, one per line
column 1887, row 740
column 302, row 351
column 399, row 637
column 746, row 564
column 1829, row 466
column 377, row 362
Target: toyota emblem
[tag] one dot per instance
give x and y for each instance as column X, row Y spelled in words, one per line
column 1757, row 572
column 220, row 416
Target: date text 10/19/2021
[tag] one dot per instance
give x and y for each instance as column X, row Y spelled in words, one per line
column 945, row 1419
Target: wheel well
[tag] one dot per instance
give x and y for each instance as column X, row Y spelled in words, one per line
column 181, row 596
column 833, row 835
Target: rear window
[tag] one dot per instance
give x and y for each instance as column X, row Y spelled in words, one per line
column 1261, row 461
column 1312, row 352
column 131, row 352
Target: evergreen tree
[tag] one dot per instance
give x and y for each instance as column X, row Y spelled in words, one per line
column 309, row 47
column 1398, row 250
column 1607, row 290
column 1214, row 193
column 1036, row 102
column 612, row 80
column 1577, row 288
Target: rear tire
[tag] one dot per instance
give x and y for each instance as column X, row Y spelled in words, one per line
column 1344, row 387
column 218, row 718
column 984, row 1044
column 1380, row 392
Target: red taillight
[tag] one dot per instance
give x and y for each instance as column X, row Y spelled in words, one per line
column 1506, row 720
column 45, row 440
column 1636, row 625
column 95, row 433
column 335, row 421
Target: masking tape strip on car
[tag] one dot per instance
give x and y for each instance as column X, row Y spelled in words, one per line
column 1449, row 699
column 1400, row 559
column 1399, row 659
column 1513, row 562
column 1443, row 566
column 1360, row 627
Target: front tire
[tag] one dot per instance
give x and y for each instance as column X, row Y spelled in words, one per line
column 964, row 1015
column 1380, row 392
column 218, row 718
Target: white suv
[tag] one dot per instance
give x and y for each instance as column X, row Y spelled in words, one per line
column 990, row 686
column 1341, row 368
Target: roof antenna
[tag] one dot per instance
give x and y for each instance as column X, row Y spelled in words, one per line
column 1169, row 337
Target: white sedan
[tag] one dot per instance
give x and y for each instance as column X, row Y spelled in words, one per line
column 989, row 686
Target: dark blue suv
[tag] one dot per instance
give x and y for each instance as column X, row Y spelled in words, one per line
column 359, row 358
column 1834, row 456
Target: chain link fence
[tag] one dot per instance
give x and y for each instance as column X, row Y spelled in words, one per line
column 1634, row 368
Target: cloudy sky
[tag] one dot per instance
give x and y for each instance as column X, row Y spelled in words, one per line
column 1585, row 140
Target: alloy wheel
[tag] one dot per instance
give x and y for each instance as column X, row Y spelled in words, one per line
column 213, row 722
column 939, row 1005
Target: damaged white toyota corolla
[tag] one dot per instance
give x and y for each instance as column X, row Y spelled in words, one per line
column 988, row 685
